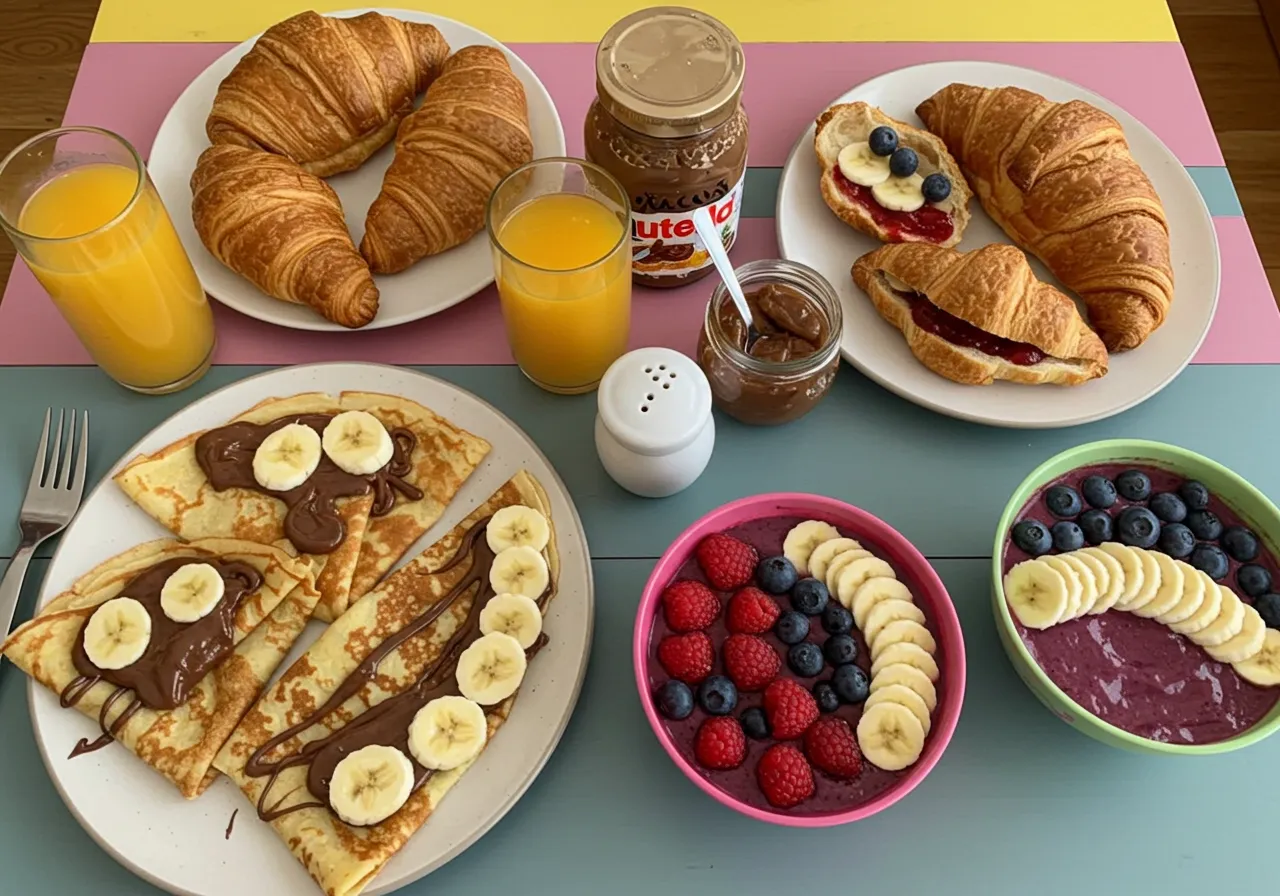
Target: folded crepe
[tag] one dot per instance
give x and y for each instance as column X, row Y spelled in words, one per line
column 343, row 858
column 180, row 743
column 171, row 486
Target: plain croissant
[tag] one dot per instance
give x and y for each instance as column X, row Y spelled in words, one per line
column 326, row 92
column 1058, row 177
column 269, row 221
column 472, row 131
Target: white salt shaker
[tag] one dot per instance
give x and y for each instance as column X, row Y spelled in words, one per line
column 654, row 430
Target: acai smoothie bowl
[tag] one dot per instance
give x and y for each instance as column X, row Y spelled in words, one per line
column 799, row 660
column 1135, row 591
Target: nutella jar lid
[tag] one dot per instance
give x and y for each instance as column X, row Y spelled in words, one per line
column 654, row 400
column 668, row 71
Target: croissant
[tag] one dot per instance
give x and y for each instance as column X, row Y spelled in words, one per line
column 326, row 92
column 472, row 131
column 268, row 220
column 1058, row 177
column 980, row 316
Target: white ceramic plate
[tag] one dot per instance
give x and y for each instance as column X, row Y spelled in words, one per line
column 430, row 286
column 179, row 845
column 809, row 233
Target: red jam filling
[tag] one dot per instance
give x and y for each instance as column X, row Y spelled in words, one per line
column 927, row 223
column 932, row 319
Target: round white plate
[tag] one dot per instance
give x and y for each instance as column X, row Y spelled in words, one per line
column 141, row 819
column 430, row 286
column 809, row 233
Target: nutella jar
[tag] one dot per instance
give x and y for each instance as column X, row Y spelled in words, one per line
column 668, row 123
column 781, row 374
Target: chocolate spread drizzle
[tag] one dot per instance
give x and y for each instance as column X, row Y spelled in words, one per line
column 312, row 524
column 387, row 723
column 660, row 251
column 178, row 655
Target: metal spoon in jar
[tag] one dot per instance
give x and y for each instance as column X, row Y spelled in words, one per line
column 715, row 248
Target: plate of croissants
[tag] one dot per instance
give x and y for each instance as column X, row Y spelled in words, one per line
column 991, row 228
column 332, row 172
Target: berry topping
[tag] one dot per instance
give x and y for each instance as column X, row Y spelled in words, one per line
column 687, row 657
column 1033, row 537
column 720, row 744
column 1204, row 525
column 750, row 661
column 809, row 596
column 1240, row 543
column 883, row 140
column 726, row 562
column 791, row 627
column 836, row 620
column 1268, row 607
column 1195, row 494
column 751, row 612
column 1168, row 507
column 790, row 708
column 1253, row 580
column 1099, row 491
column 675, row 700
column 776, row 574
column 936, row 187
column 805, row 659
column 825, row 695
column 1134, row 485
column 784, row 776
column 689, row 606
column 1138, row 527
column 755, row 724
column 1177, row 541
column 903, row 162
column 1209, row 559
column 1067, row 536
column 1063, row 501
column 840, row 649
column 717, row 696
column 1096, row 526
column 830, row 746
column 851, row 684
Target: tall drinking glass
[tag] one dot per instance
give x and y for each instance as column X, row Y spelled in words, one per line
column 560, row 231
column 84, row 215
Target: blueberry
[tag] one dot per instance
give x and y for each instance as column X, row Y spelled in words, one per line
column 805, row 659
column 936, row 187
column 1195, row 494
column 1096, row 526
column 717, row 695
column 1176, row 540
column 826, row 696
column 1268, row 607
column 840, row 649
column 1138, row 527
column 851, row 683
column 675, row 700
column 1063, row 501
column 1134, row 485
column 1067, row 536
column 1033, row 537
column 1099, row 491
column 883, row 140
column 755, row 724
column 1253, row 580
column 810, row 596
column 791, row 627
column 836, row 620
column 903, row 162
column 1209, row 559
column 776, row 574
column 1240, row 543
column 1205, row 525
column 1168, row 507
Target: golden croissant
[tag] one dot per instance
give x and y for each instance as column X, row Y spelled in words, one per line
column 269, row 221
column 471, row 131
column 326, row 92
column 1058, row 177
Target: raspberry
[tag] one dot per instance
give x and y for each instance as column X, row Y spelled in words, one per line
column 720, row 743
column 727, row 562
column 790, row 708
column 751, row 612
column 687, row 657
column 830, row 745
column 689, row 606
column 750, row 661
column 784, row 776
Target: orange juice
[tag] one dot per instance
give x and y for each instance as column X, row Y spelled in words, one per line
column 123, row 281
column 566, row 298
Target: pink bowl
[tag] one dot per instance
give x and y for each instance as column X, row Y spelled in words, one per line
column 885, row 541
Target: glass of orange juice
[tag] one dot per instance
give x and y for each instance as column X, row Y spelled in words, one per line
column 83, row 213
column 560, row 231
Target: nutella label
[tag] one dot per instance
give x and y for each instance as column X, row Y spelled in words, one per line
column 664, row 244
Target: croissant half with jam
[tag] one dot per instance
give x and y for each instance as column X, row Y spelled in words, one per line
column 981, row 316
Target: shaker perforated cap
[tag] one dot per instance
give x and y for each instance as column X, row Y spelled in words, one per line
column 654, row 400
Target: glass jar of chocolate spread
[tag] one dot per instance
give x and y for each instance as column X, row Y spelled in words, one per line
column 780, row 374
column 668, row 123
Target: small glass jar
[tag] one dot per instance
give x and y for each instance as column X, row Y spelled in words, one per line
column 761, row 391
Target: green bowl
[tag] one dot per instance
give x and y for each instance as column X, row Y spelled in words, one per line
column 1253, row 508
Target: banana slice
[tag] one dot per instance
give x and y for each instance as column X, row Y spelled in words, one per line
column 824, row 553
column 856, row 573
column 191, row 592
column 1209, row 608
column 1037, row 593
column 803, row 539
column 517, row 526
column 871, row 592
column 901, row 194
column 903, row 630
column 1228, row 624
column 490, row 670
column 1133, row 568
column 1263, row 668
column 889, row 611
column 890, row 735
column 117, row 634
column 358, row 443
column 448, row 732
column 1191, row 599
column 1170, row 592
column 1115, row 580
column 1253, row 633
column 287, row 457
column 858, row 163
column 370, row 785
column 910, row 676
column 903, row 695
column 519, row 570
column 911, row 654
column 1075, row 587
column 1088, row 583
column 514, row 615
column 837, row 565
column 1099, row 584
column 1150, row 582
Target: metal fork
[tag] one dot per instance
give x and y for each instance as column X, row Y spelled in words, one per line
column 53, row 497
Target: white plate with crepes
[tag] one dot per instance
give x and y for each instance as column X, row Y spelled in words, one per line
column 426, row 288
column 810, row 233
column 183, row 846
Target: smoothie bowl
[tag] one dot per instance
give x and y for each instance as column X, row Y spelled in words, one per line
column 1134, row 592
column 799, row 660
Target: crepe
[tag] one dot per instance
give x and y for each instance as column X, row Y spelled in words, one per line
column 179, row 743
column 341, row 858
column 170, row 486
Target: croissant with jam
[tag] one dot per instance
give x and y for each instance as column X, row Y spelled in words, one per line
column 981, row 316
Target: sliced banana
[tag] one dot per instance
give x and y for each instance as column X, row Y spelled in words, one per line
column 514, row 615
column 837, row 565
column 906, row 674
column 1209, row 609
column 1100, row 583
column 370, row 785
column 1133, row 568
column 889, row 611
column 490, row 670
column 824, row 553
column 517, row 526
column 873, row 591
column 519, row 570
column 1169, row 594
column 1115, row 580
column 448, row 732
column 858, row 163
column 287, row 457
column 1263, row 668
column 911, row 654
column 1088, row 583
column 117, row 634
column 900, row 693
column 901, row 194
column 191, row 592
column 1150, row 582
column 1037, row 593
column 1228, row 624
column 856, row 573
column 1253, row 633
column 890, row 735
column 358, row 443
column 803, row 539
column 1191, row 599
column 903, row 630
column 1075, row 587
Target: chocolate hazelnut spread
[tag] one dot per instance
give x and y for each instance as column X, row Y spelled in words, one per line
column 312, row 524
column 668, row 123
